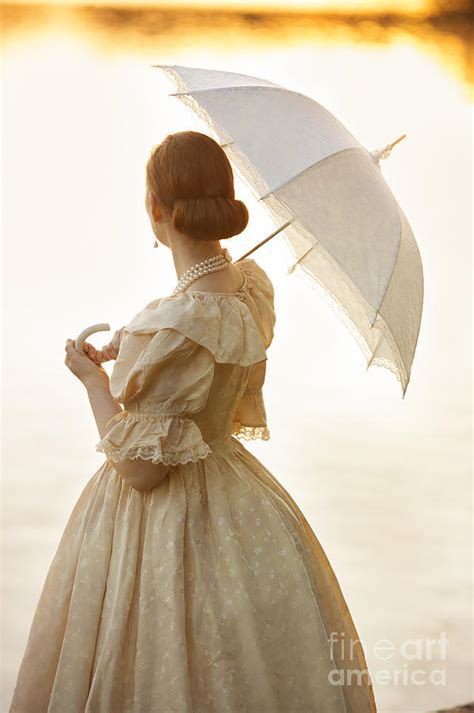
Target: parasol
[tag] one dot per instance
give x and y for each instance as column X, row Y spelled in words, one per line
column 345, row 229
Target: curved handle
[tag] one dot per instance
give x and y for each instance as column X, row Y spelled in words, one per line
column 79, row 341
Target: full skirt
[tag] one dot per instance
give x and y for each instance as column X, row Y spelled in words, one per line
column 208, row 594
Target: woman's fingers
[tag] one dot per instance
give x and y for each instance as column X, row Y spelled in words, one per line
column 91, row 352
column 108, row 352
column 97, row 355
column 111, row 349
column 101, row 356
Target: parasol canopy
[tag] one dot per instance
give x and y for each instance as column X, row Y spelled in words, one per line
column 325, row 191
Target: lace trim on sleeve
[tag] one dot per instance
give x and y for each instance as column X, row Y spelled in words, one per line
column 154, row 453
column 157, row 437
column 250, row 420
column 251, row 433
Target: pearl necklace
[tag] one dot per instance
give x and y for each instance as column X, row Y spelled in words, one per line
column 211, row 264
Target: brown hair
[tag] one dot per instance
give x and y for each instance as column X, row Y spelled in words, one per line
column 190, row 176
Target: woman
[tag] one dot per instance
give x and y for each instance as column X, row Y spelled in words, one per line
column 187, row 580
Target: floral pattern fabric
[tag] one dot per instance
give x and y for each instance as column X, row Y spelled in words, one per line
column 209, row 593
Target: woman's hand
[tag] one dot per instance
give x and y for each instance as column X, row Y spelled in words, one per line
column 82, row 366
column 110, row 351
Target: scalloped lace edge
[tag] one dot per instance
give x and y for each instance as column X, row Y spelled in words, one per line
column 250, row 433
column 155, row 454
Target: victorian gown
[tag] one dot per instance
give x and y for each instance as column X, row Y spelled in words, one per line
column 209, row 593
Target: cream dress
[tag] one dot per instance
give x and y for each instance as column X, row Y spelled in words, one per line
column 209, row 593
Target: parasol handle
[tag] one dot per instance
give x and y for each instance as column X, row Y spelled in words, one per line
column 81, row 338
column 278, row 230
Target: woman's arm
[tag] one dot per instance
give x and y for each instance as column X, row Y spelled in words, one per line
column 140, row 474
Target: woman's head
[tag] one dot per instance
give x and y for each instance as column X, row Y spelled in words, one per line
column 190, row 180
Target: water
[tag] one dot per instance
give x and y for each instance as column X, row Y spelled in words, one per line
column 383, row 481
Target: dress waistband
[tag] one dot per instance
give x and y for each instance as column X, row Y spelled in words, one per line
column 222, row 445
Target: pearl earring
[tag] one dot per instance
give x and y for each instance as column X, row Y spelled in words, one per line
column 156, row 243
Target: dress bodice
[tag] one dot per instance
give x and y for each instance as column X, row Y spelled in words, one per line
column 190, row 370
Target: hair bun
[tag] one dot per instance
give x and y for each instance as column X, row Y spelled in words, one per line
column 180, row 170
column 210, row 217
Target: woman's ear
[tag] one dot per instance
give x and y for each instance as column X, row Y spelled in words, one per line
column 156, row 212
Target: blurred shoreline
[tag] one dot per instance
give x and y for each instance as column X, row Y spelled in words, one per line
column 455, row 22
column 449, row 29
column 462, row 14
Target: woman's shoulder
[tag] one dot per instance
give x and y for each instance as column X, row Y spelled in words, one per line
column 257, row 275
column 236, row 326
column 255, row 296
column 259, row 297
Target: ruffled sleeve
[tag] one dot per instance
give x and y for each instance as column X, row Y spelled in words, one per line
column 168, row 382
column 250, row 418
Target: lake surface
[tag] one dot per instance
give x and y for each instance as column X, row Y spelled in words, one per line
column 384, row 482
